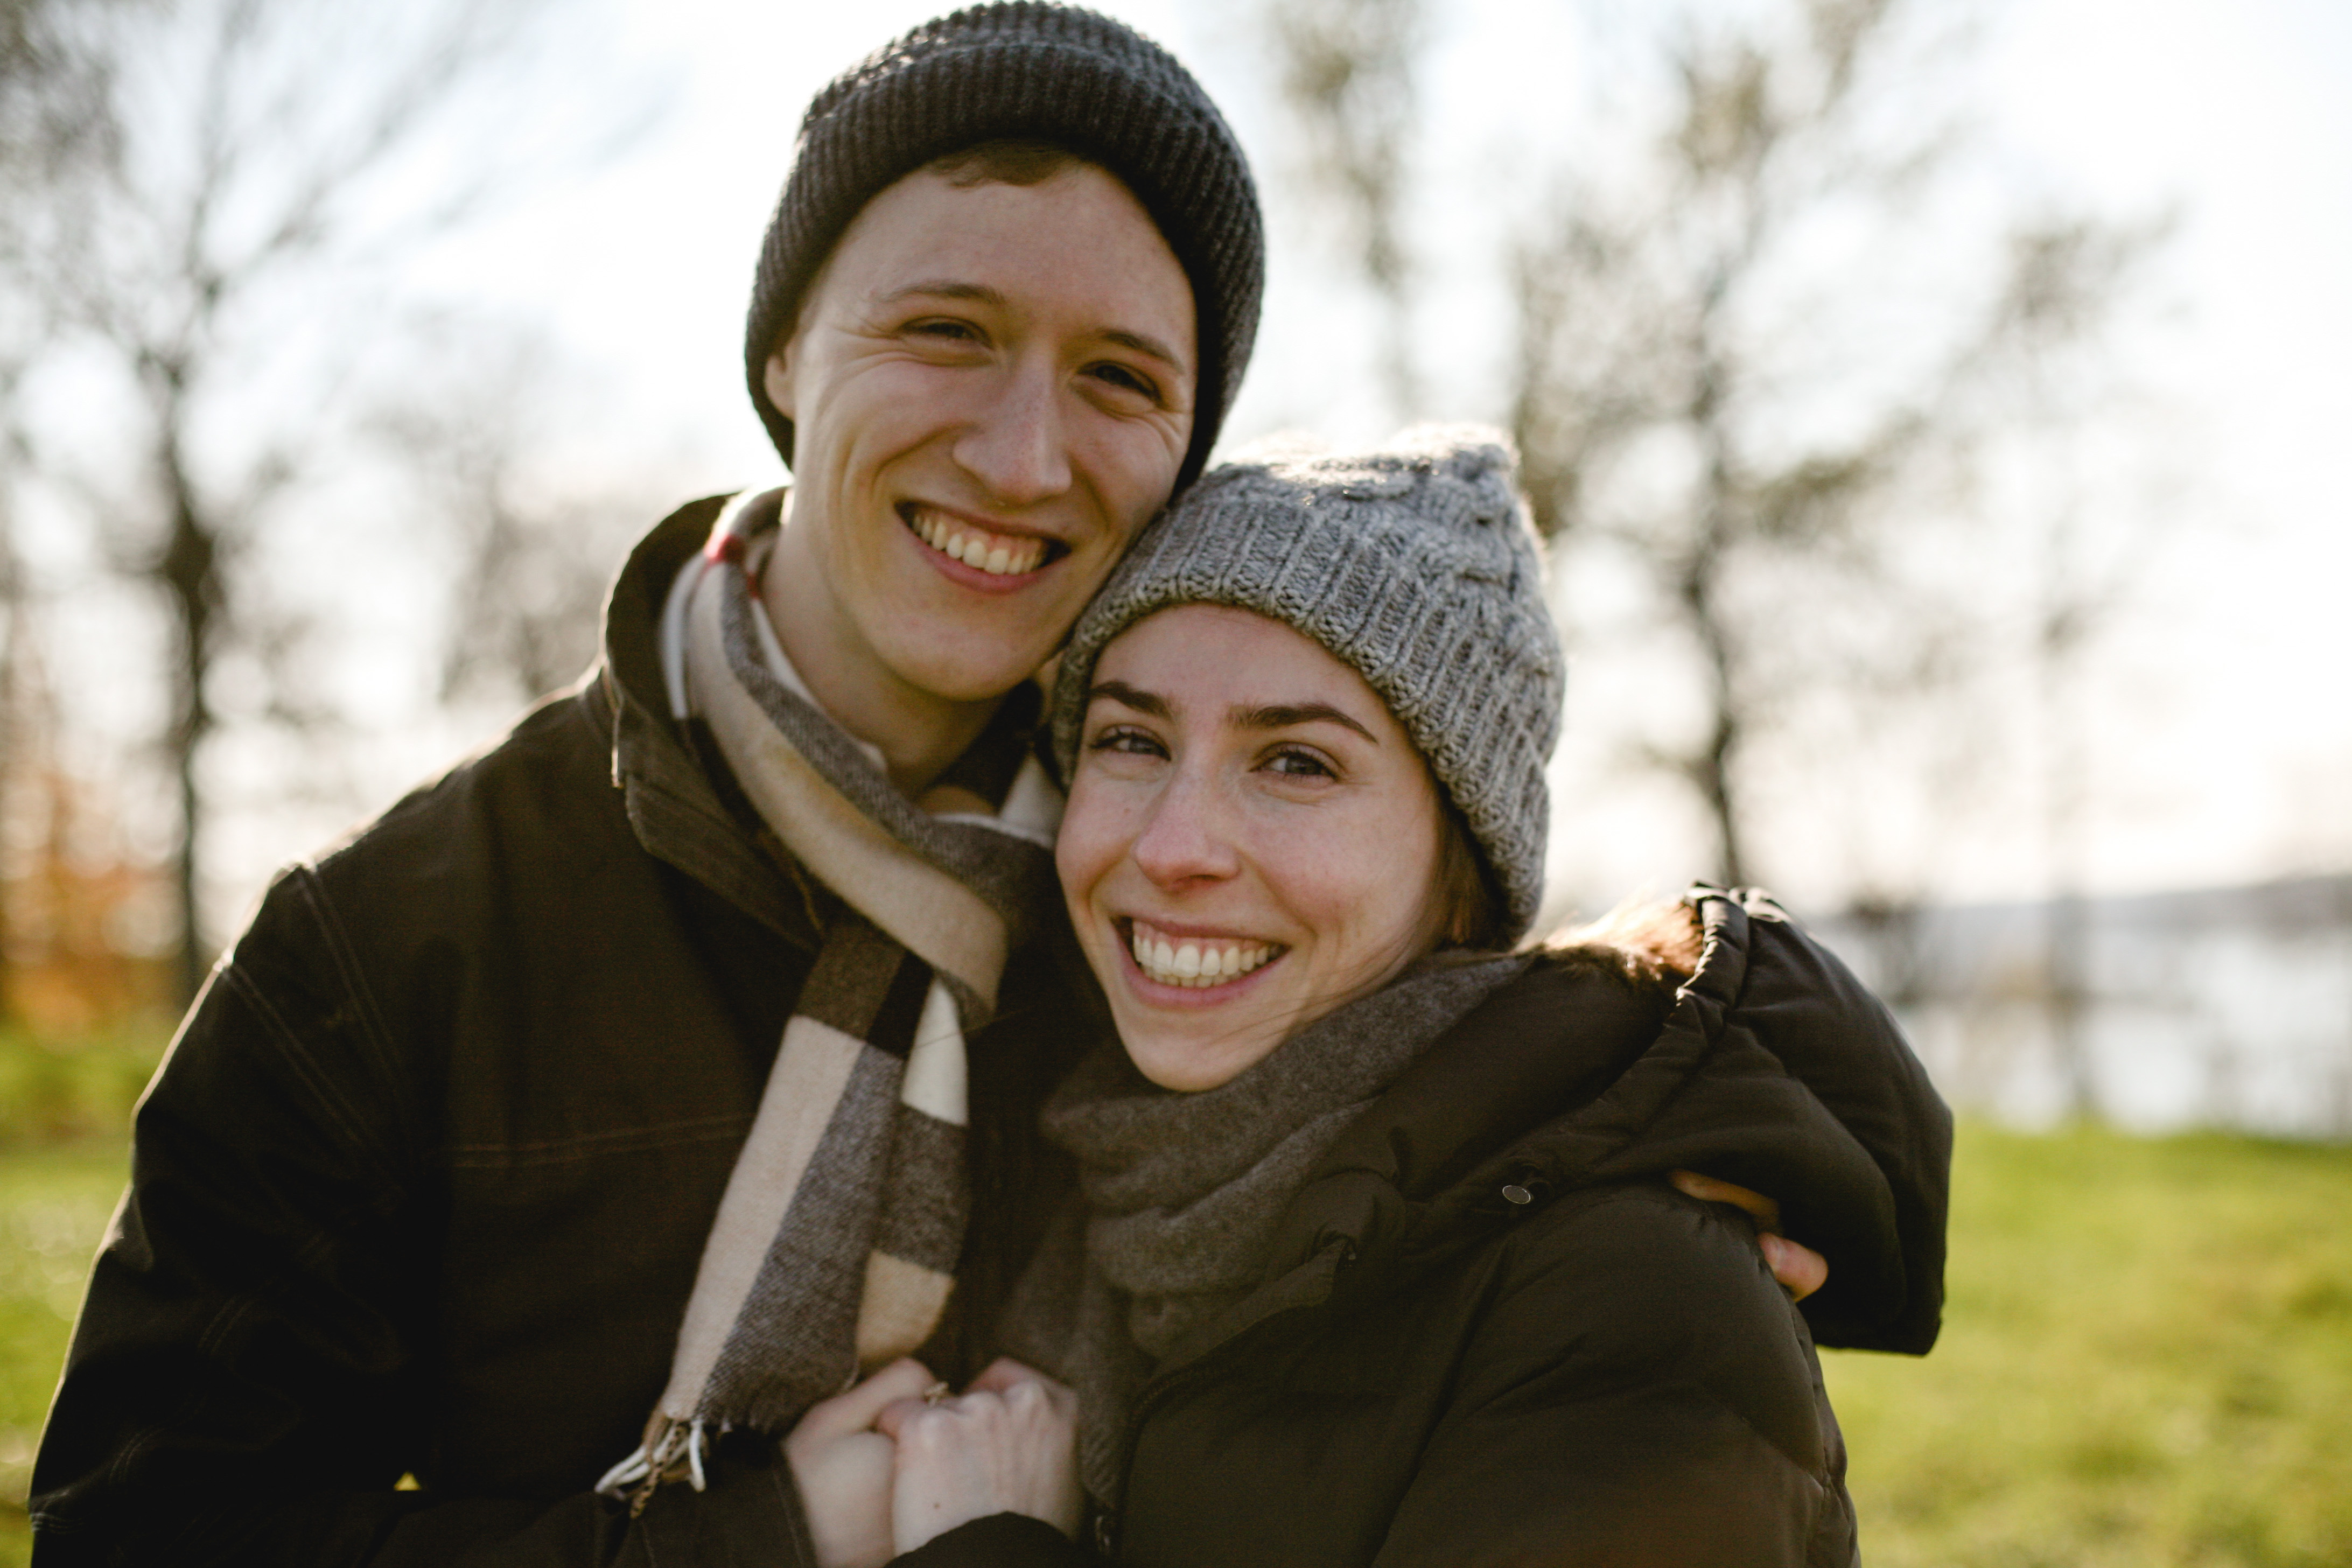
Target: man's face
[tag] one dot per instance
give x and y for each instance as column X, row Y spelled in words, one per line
column 991, row 387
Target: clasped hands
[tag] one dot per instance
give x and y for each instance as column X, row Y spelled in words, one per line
column 882, row 1469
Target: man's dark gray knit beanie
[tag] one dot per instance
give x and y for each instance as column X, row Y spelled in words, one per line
column 1033, row 71
column 1417, row 567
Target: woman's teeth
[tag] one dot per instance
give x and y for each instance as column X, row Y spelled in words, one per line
column 998, row 554
column 1193, row 962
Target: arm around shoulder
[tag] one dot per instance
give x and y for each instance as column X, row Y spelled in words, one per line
column 1639, row 1392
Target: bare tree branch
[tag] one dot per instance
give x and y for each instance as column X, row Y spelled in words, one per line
column 210, row 193
column 1347, row 72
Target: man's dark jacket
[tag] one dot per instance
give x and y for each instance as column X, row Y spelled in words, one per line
column 422, row 1187
column 1489, row 1332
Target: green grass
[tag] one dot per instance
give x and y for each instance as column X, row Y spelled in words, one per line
column 2147, row 1357
column 62, row 1087
column 53, row 1206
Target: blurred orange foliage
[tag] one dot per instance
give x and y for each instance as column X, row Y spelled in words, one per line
column 84, row 924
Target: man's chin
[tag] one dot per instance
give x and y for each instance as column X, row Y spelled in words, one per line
column 962, row 676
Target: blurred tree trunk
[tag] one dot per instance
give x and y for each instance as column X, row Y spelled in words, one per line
column 1674, row 399
column 246, row 137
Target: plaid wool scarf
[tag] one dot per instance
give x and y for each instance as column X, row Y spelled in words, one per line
column 834, row 1248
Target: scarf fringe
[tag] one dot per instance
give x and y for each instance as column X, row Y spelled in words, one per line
column 672, row 1450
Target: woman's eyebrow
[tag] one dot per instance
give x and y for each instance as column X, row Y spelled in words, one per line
column 1127, row 696
column 1282, row 716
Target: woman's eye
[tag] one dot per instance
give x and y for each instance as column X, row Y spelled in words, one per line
column 1130, row 741
column 948, row 330
column 1295, row 761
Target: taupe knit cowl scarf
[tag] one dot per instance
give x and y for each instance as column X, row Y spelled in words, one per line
column 1182, row 1193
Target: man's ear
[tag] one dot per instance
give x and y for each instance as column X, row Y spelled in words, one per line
column 776, row 381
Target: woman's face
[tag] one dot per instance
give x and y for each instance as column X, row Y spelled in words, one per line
column 1251, row 840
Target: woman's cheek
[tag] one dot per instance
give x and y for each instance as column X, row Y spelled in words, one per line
column 1094, row 832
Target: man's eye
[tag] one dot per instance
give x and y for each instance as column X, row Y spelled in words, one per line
column 1126, row 378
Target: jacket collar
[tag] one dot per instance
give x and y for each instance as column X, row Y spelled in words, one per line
column 1772, row 1068
column 674, row 806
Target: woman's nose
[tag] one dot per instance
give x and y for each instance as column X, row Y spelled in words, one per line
column 1186, row 839
column 1017, row 449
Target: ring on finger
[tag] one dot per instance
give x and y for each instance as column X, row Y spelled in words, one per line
column 936, row 1393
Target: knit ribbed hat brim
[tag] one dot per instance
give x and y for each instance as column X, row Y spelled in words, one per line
column 1037, row 71
column 1416, row 565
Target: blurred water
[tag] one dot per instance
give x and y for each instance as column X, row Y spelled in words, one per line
column 2224, row 1008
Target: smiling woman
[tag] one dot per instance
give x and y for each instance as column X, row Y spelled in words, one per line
column 1381, row 1256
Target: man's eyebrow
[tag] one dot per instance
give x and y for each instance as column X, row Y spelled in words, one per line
column 1282, row 716
column 1142, row 344
column 947, row 288
column 1119, row 691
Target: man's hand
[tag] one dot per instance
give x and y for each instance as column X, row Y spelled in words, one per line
column 1007, row 1445
column 843, row 1466
column 1799, row 1269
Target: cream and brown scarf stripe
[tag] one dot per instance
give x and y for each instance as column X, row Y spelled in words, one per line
column 835, row 1245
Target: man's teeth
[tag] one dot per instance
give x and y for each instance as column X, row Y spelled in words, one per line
column 1194, row 962
column 999, row 555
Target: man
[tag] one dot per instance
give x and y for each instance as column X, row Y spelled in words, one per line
column 479, row 1162
column 430, row 1178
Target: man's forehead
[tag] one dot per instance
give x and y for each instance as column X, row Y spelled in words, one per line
column 1079, row 246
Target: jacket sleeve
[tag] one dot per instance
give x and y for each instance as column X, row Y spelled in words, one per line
column 1640, row 1393
column 999, row 1541
column 246, row 1382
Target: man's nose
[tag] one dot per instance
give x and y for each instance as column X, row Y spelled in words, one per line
column 1187, row 838
column 1017, row 449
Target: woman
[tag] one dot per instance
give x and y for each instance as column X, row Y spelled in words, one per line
column 1378, row 1263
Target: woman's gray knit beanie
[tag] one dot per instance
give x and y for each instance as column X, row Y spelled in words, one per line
column 1033, row 71
column 1417, row 567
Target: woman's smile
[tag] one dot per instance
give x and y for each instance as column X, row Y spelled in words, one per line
column 1194, row 962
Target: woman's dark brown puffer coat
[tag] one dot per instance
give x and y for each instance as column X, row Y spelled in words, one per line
column 1491, row 1334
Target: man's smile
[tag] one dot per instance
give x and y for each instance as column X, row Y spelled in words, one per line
column 960, row 540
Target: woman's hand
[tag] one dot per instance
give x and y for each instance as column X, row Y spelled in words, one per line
column 1799, row 1269
column 1006, row 1444
column 843, row 1466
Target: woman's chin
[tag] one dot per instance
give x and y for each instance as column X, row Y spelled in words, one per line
column 1191, row 1057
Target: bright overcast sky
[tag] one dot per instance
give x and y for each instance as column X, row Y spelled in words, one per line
column 2238, row 115
column 2238, row 761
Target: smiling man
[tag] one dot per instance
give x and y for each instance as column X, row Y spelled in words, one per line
column 479, row 1162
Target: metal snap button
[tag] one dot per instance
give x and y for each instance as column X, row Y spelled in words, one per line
column 1518, row 1195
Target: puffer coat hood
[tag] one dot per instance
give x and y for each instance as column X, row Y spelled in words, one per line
column 1774, row 1068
